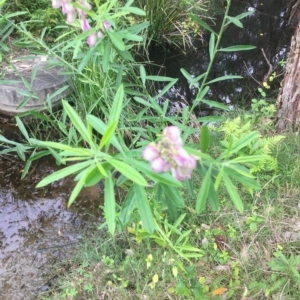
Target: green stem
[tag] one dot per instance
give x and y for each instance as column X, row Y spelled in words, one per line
column 219, row 36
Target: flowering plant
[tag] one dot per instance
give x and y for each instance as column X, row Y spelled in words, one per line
column 70, row 10
column 169, row 155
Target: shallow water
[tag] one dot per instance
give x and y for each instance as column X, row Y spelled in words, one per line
column 36, row 227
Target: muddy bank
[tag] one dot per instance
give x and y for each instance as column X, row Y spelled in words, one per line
column 36, row 227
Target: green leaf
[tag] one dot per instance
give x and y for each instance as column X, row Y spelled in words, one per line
column 247, row 159
column 143, row 78
column 127, row 206
column 165, row 178
column 133, row 10
column 116, row 40
column 80, row 184
column 21, row 151
column 210, row 119
column 202, row 23
column 132, row 37
column 235, row 21
column 226, row 77
column 232, row 191
column 203, row 192
column 160, row 78
column 128, row 171
column 64, row 172
column 213, row 198
column 108, row 135
column 101, row 127
column 77, row 122
column 246, row 181
column 216, row 104
column 237, row 48
column 117, row 106
column 22, row 128
column 186, row 74
column 174, row 195
column 63, row 147
column 106, row 57
column 211, row 46
column 241, row 143
column 110, row 204
column 144, row 208
column 204, row 138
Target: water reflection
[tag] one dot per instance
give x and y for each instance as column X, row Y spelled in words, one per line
column 267, row 28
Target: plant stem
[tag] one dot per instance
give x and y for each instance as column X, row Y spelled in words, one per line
column 219, row 36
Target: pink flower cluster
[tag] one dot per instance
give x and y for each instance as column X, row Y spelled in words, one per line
column 72, row 13
column 169, row 155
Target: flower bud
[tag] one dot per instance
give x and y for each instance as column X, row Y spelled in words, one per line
column 159, row 165
column 173, row 133
column 150, row 152
column 92, row 39
column 106, row 25
column 56, row 3
column 71, row 17
column 84, row 24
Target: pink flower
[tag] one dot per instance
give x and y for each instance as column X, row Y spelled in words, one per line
column 84, row 5
column 71, row 17
column 100, row 34
column 84, row 24
column 56, row 3
column 168, row 155
column 106, row 25
column 150, row 152
column 92, row 39
column 173, row 133
column 67, row 7
column 159, row 165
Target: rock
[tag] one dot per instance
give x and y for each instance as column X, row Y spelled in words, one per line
column 28, row 85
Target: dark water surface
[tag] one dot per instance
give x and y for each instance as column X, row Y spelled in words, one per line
column 36, row 227
column 267, row 29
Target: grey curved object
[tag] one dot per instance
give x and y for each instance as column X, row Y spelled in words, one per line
column 45, row 82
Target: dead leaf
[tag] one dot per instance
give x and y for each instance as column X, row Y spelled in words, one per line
column 219, row 291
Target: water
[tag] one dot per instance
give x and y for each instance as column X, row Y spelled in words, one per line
column 267, row 29
column 36, row 227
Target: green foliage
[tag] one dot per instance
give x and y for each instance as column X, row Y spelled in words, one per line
column 170, row 23
column 235, row 129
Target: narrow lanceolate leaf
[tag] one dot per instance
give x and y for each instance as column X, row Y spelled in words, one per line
column 116, row 40
column 233, row 193
column 202, row 23
column 117, row 106
column 186, row 74
column 216, row 104
column 110, row 204
column 144, row 208
column 128, row 171
column 226, row 77
column 108, row 134
column 203, row 192
column 80, row 184
column 211, row 46
column 235, row 21
column 22, row 128
column 204, row 138
column 64, row 173
column 173, row 194
column 237, row 48
column 63, row 147
column 77, row 122
column 127, row 206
